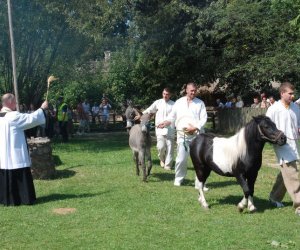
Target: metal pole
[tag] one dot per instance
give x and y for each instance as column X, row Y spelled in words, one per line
column 13, row 58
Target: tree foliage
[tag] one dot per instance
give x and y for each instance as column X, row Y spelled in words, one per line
column 154, row 44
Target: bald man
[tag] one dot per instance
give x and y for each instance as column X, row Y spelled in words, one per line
column 16, row 184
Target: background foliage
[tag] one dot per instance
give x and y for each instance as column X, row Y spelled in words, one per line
column 244, row 44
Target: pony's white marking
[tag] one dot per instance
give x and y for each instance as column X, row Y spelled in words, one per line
column 227, row 151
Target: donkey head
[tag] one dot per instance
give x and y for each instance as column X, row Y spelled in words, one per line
column 145, row 123
column 268, row 130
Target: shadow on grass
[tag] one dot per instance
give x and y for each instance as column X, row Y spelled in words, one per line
column 261, row 204
column 59, row 197
column 65, row 173
column 168, row 176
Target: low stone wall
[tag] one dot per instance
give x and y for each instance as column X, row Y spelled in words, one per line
column 40, row 151
column 231, row 120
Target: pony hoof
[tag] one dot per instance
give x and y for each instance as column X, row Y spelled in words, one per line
column 252, row 209
column 240, row 209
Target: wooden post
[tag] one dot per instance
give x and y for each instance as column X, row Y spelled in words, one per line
column 13, row 57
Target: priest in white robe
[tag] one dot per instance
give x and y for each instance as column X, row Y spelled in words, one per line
column 16, row 183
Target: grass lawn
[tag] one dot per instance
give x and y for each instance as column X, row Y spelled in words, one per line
column 114, row 209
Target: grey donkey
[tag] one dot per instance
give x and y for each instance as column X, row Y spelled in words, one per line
column 140, row 143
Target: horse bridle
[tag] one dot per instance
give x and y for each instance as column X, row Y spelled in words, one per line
column 280, row 133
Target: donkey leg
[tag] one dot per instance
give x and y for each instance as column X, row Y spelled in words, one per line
column 142, row 161
column 243, row 183
column 136, row 160
column 149, row 161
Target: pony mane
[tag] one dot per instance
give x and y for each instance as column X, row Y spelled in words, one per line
column 227, row 151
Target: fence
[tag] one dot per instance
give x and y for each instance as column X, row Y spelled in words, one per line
column 231, row 120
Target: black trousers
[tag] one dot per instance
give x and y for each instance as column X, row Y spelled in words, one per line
column 63, row 128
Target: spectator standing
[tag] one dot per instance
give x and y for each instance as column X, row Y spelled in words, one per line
column 239, row 103
column 228, row 104
column 271, row 100
column 70, row 126
column 81, row 119
column 95, row 113
column 219, row 105
column 286, row 115
column 62, row 118
column 87, row 110
column 165, row 136
column 255, row 103
column 105, row 108
column 187, row 106
column 16, row 183
column 32, row 131
column 264, row 103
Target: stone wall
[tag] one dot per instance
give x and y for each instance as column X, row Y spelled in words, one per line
column 40, row 151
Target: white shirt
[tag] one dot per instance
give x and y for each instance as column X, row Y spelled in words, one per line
column 239, row 104
column 95, row 110
column 288, row 121
column 86, row 107
column 13, row 147
column 161, row 109
column 195, row 109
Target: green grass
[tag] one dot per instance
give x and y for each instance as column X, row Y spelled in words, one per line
column 116, row 210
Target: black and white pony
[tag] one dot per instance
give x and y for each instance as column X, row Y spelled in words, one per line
column 239, row 156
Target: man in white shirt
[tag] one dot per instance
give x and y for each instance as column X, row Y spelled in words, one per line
column 286, row 115
column 16, row 184
column 189, row 115
column 165, row 136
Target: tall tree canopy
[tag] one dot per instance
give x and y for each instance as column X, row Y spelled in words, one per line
column 244, row 44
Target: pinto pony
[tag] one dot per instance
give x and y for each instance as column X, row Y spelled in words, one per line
column 239, row 156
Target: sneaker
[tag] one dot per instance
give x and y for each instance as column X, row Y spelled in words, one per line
column 162, row 164
column 167, row 168
column 297, row 211
column 276, row 204
column 177, row 183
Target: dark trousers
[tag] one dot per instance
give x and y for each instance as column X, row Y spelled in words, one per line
column 63, row 128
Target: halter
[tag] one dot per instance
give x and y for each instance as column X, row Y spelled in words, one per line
column 280, row 133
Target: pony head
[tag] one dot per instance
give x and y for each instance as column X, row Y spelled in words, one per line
column 268, row 130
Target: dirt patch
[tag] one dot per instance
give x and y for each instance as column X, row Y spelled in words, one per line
column 64, row 210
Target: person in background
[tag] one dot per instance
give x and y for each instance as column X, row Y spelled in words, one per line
column 219, row 105
column 62, row 118
column 165, row 136
column 286, row 115
column 16, row 183
column 239, row 103
column 187, row 106
column 105, row 109
column 271, row 100
column 87, row 110
column 95, row 113
column 70, row 126
column 32, row 131
column 264, row 104
column 228, row 104
column 255, row 103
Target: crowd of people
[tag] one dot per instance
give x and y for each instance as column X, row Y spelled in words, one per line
column 259, row 101
column 183, row 119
